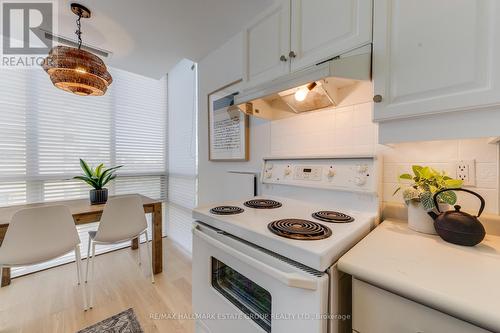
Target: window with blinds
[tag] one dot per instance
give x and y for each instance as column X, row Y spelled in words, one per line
column 182, row 151
column 44, row 131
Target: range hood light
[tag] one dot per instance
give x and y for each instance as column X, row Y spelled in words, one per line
column 341, row 81
column 301, row 94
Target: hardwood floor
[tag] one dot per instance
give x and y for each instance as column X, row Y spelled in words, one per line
column 51, row 301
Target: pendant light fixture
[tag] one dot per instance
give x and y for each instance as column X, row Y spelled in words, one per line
column 75, row 70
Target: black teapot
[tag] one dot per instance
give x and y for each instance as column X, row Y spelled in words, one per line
column 457, row 227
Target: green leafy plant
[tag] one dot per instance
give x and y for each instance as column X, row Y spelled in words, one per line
column 426, row 181
column 98, row 177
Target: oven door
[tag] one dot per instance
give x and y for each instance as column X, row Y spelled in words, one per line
column 239, row 287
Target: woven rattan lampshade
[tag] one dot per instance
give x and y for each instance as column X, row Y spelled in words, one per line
column 77, row 71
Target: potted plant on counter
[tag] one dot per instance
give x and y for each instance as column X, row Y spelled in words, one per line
column 97, row 178
column 418, row 195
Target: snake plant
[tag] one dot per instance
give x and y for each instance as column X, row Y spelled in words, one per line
column 98, row 177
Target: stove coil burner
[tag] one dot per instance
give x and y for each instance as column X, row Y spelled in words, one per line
column 299, row 229
column 333, row 217
column 262, row 204
column 226, row 210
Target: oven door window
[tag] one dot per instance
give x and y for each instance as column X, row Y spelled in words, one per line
column 248, row 296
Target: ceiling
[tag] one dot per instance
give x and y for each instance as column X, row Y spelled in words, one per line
column 149, row 37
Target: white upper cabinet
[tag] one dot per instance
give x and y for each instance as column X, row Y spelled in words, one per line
column 435, row 56
column 268, row 44
column 294, row 34
column 322, row 29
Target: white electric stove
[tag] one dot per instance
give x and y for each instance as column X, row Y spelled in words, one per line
column 268, row 264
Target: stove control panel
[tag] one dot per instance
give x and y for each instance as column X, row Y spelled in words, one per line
column 343, row 173
column 307, row 172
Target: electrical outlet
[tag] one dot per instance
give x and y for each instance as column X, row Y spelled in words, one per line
column 466, row 171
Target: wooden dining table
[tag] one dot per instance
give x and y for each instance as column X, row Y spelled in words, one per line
column 83, row 212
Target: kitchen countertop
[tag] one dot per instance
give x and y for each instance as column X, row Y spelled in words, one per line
column 461, row 281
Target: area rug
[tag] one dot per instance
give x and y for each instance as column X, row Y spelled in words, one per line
column 123, row 322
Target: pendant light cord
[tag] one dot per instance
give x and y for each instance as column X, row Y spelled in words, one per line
column 78, row 31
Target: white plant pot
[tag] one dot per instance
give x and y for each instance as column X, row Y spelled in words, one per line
column 419, row 220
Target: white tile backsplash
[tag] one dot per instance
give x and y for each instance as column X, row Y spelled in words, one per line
column 362, row 115
column 349, row 130
column 471, row 204
column 344, row 118
column 421, row 152
column 479, row 150
column 330, row 131
column 487, row 175
column 443, row 155
column 388, row 190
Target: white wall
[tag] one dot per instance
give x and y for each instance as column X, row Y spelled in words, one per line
column 182, row 146
column 221, row 67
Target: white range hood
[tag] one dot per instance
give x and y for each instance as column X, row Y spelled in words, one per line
column 344, row 80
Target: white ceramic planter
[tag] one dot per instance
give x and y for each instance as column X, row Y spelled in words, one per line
column 419, row 220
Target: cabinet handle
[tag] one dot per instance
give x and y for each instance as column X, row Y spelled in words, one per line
column 377, row 98
column 283, row 58
column 292, row 54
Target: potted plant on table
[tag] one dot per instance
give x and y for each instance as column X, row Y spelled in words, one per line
column 418, row 195
column 97, row 178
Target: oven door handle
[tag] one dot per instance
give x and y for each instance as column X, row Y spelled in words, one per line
column 294, row 280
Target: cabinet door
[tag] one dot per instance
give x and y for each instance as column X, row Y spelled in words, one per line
column 378, row 311
column 323, row 29
column 435, row 56
column 268, row 45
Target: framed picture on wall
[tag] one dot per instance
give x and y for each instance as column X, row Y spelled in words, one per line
column 228, row 135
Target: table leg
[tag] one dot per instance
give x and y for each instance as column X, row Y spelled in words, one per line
column 135, row 244
column 5, row 272
column 5, row 276
column 157, row 244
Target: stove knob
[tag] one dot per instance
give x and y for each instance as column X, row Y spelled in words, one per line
column 268, row 174
column 269, row 166
column 360, row 181
column 362, row 168
column 288, row 171
column 331, row 173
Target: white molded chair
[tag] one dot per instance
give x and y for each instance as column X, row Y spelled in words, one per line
column 123, row 219
column 39, row 234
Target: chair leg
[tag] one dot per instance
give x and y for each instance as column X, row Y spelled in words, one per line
column 88, row 259
column 78, row 260
column 91, row 303
column 149, row 258
column 139, row 250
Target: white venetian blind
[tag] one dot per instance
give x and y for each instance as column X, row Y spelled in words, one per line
column 44, row 131
column 13, row 137
column 140, row 133
column 182, row 151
